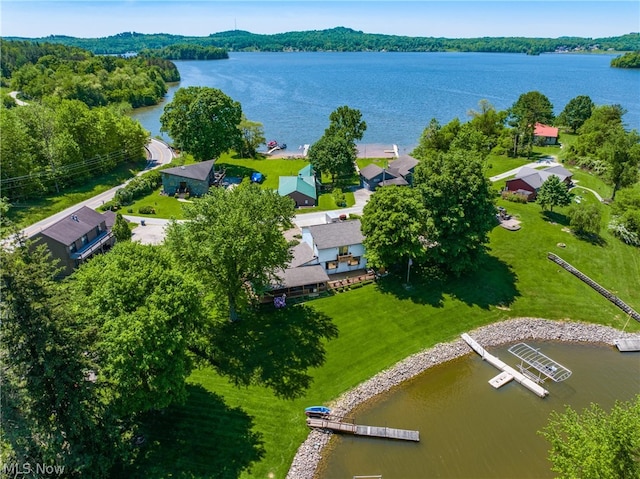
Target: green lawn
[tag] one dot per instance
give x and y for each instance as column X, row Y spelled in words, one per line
column 272, row 169
column 500, row 164
column 27, row 212
column 383, row 323
column 165, row 206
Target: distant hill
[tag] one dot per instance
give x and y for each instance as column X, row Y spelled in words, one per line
column 343, row 39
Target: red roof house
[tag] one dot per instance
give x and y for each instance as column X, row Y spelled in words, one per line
column 546, row 134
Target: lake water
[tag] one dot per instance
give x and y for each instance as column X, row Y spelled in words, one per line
column 467, row 428
column 292, row 94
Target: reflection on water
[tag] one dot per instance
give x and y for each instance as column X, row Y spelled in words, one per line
column 470, row 430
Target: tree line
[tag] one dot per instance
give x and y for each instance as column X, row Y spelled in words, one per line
column 50, row 146
column 42, row 70
column 346, row 39
column 184, row 51
column 628, row 60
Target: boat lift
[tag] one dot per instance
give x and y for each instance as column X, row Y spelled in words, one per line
column 532, row 359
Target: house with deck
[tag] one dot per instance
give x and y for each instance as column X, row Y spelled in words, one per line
column 78, row 237
column 337, row 247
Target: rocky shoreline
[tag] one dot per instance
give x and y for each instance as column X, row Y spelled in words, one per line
column 309, row 453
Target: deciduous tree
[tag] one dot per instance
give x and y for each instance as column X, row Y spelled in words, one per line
column 203, row 121
column 530, row 108
column 121, row 229
column 576, row 112
column 585, row 218
column 553, row 192
column 252, row 137
column 144, row 313
column 594, row 444
column 347, row 123
column 234, row 242
column 394, row 223
column 459, row 201
column 621, row 155
column 334, row 155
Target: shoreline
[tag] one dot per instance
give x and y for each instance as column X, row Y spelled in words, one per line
column 307, row 459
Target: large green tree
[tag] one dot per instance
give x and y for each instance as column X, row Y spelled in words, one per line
column 394, row 223
column 51, row 413
column 530, row 108
column 621, row 155
column 142, row 313
column 334, row 155
column 203, row 121
column 252, row 137
column 347, row 123
column 553, row 192
column 576, row 112
column 585, row 218
column 233, row 240
column 594, row 444
column 459, row 200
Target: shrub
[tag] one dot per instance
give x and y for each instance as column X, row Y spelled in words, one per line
column 514, row 197
column 339, row 197
column 620, row 231
column 147, row 210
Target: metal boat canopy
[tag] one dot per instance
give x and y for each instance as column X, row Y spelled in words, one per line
column 533, row 358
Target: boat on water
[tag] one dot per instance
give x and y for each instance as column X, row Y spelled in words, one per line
column 317, row 411
column 274, row 145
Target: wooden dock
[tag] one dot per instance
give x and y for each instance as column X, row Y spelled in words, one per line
column 626, row 345
column 359, row 430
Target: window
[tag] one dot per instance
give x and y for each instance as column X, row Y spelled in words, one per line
column 342, row 250
column 332, row 265
column 72, row 248
column 354, row 261
column 85, row 240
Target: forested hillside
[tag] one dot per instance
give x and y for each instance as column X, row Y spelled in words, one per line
column 346, row 39
column 40, row 70
column 628, row 60
column 186, row 52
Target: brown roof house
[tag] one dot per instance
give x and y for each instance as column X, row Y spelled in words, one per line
column 529, row 180
column 78, row 237
column 399, row 172
column 194, row 179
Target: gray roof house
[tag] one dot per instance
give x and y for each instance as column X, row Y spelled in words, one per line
column 529, row 180
column 194, row 179
column 399, row 172
column 77, row 237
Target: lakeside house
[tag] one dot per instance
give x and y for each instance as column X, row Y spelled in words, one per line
column 195, row 179
column 545, row 134
column 301, row 188
column 529, row 180
column 78, row 237
column 399, row 172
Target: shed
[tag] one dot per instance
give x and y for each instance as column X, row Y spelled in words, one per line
column 545, row 134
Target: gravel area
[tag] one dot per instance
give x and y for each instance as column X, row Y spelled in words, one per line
column 308, row 457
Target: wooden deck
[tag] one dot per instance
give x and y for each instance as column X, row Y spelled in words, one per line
column 626, row 345
column 359, row 430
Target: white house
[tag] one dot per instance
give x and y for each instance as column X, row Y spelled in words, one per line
column 337, row 247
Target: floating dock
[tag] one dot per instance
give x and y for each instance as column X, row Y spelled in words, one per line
column 527, row 382
column 626, row 345
column 358, row 430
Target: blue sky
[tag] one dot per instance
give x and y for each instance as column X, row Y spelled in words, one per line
column 453, row 18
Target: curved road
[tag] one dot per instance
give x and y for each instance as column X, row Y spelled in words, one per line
column 158, row 154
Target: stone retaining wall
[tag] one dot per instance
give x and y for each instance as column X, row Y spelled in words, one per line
column 309, row 454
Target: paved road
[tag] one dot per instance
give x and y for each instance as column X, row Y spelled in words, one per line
column 548, row 161
column 14, row 95
column 158, row 154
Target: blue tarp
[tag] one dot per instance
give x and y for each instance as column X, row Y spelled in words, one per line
column 256, row 177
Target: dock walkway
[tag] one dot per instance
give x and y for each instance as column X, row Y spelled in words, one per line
column 494, row 361
column 360, row 430
column 626, row 345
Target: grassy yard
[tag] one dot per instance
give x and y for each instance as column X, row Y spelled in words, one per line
column 27, row 212
column 165, row 206
column 383, row 323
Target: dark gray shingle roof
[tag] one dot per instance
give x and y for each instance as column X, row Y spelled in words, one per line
column 197, row 171
column 332, row 235
column 74, row 226
column 403, row 165
column 292, row 277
